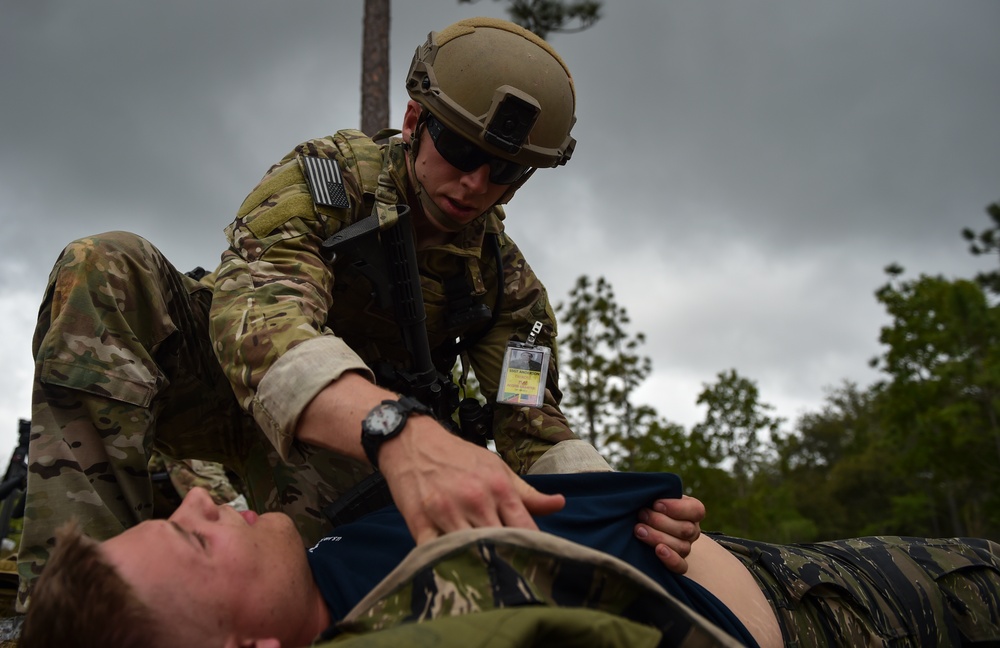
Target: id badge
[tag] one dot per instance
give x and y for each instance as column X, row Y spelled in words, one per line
column 522, row 378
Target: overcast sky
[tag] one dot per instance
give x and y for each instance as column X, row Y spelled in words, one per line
column 744, row 171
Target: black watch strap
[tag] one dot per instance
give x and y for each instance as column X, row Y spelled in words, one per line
column 405, row 406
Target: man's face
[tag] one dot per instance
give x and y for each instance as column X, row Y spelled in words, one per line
column 462, row 195
column 214, row 567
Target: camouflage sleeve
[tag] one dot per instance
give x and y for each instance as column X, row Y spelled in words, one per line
column 522, row 434
column 271, row 299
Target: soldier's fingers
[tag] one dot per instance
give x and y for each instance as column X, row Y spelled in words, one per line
column 519, row 505
column 685, row 509
column 670, row 559
column 512, row 503
column 426, row 534
column 536, row 502
column 473, row 509
column 664, row 547
column 428, row 518
column 679, row 529
column 650, row 531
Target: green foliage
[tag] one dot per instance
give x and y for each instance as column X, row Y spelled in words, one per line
column 835, row 465
column 733, row 435
column 940, row 404
column 917, row 453
column 544, row 17
column 664, row 445
column 735, row 422
column 987, row 242
column 602, row 367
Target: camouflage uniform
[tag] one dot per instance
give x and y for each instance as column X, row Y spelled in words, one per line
column 125, row 360
column 879, row 591
column 483, row 571
column 186, row 474
column 278, row 302
column 874, row 591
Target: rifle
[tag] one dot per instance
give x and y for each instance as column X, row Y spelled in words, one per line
column 15, row 480
column 388, row 259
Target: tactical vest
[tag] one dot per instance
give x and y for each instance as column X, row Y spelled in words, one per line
column 370, row 164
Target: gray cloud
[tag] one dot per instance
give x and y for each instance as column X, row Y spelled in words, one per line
column 744, row 171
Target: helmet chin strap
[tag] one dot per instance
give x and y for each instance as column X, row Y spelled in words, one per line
column 433, row 212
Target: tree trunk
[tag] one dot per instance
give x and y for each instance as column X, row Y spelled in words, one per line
column 375, row 67
column 957, row 528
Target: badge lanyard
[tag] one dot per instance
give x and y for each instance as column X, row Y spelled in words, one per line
column 525, row 366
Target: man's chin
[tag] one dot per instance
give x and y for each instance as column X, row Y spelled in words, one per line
column 448, row 220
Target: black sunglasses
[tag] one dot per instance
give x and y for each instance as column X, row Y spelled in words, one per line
column 466, row 156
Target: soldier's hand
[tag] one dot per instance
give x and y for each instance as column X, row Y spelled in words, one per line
column 441, row 483
column 670, row 527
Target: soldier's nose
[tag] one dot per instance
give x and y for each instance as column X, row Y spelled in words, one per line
column 478, row 180
column 200, row 504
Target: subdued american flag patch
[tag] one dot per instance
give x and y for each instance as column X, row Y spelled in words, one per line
column 325, row 182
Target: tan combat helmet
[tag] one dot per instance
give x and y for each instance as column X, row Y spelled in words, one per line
column 499, row 86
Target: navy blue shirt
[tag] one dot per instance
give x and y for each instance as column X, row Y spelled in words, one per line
column 600, row 513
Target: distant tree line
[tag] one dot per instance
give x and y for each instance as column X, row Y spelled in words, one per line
column 916, row 453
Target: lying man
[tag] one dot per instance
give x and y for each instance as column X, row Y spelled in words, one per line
column 211, row 576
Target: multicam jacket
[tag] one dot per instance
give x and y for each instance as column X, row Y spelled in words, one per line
column 286, row 322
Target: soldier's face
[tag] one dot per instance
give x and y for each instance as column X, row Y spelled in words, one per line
column 462, row 195
column 213, row 567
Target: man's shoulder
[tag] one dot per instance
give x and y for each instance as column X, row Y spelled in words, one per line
column 328, row 174
column 358, row 159
column 346, row 143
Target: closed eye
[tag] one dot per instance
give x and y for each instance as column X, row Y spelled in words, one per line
column 189, row 534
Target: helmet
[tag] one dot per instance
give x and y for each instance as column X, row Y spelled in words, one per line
column 499, row 86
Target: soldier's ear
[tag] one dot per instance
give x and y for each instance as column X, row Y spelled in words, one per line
column 410, row 119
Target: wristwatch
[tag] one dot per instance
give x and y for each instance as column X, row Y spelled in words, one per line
column 385, row 421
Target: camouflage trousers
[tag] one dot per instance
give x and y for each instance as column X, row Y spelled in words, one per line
column 123, row 367
column 879, row 591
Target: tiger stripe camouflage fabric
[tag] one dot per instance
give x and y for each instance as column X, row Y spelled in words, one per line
column 477, row 571
column 874, row 591
column 880, row 590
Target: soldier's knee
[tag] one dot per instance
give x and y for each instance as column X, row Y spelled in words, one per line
column 118, row 259
column 95, row 250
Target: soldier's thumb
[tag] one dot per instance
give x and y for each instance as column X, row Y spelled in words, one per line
column 539, row 503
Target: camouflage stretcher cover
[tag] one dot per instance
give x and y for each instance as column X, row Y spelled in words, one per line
column 516, row 581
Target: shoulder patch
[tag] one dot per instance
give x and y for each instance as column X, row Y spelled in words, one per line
column 325, row 182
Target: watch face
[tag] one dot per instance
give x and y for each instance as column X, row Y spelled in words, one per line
column 384, row 419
